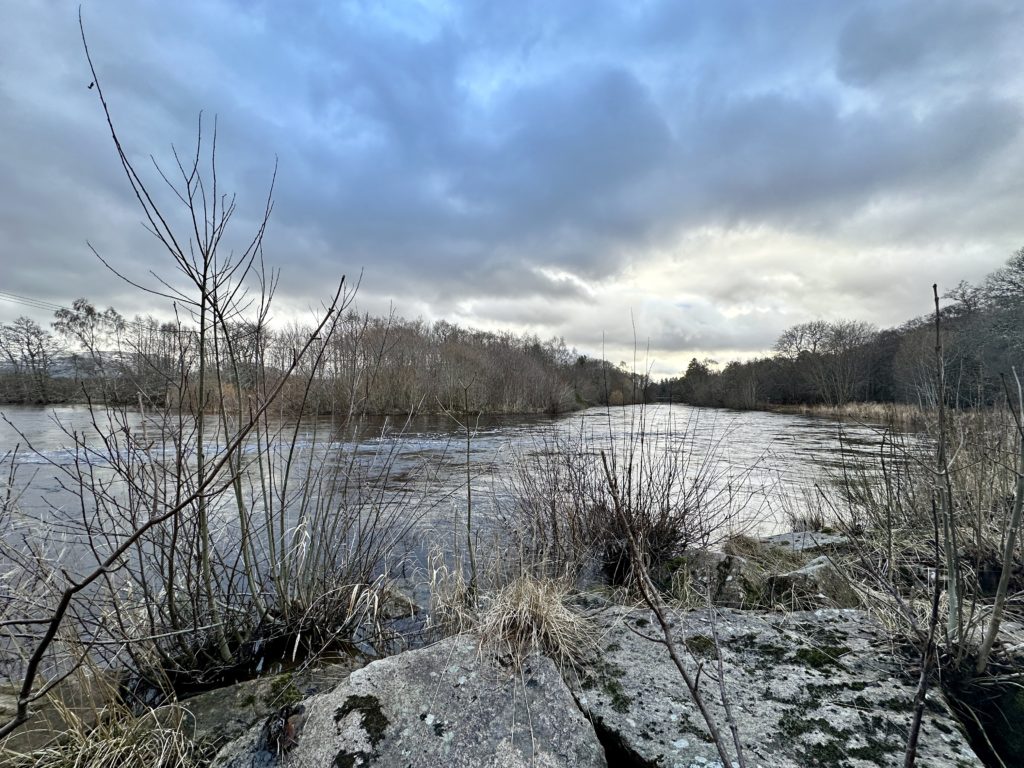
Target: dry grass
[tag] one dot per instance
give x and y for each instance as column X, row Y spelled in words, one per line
column 903, row 416
column 532, row 615
column 576, row 502
column 771, row 559
column 516, row 609
column 156, row 739
column 887, row 505
column 452, row 600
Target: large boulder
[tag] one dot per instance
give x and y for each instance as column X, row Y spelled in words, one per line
column 449, row 704
column 806, row 689
column 817, row 584
column 727, row 579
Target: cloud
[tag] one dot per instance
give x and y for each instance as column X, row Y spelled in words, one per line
column 707, row 173
column 935, row 44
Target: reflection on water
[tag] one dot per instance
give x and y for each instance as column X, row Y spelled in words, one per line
column 769, row 461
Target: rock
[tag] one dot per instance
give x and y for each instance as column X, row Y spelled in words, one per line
column 808, row 542
column 398, row 605
column 218, row 716
column 806, row 689
column 447, row 704
column 819, row 583
column 730, row 580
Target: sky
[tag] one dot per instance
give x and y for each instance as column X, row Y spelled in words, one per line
column 684, row 178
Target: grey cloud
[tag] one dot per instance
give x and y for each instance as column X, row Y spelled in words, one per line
column 941, row 40
column 789, row 160
column 456, row 152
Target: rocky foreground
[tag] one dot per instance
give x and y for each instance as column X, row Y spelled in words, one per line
column 816, row 683
column 808, row 688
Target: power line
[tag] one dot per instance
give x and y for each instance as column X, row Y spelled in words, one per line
column 14, row 298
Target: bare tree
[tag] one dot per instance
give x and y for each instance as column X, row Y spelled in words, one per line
column 30, row 351
column 1006, row 284
column 153, row 520
column 833, row 354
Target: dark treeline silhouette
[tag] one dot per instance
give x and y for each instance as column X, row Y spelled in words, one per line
column 392, row 365
column 371, row 365
column 835, row 363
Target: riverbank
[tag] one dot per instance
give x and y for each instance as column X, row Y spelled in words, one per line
column 782, row 642
column 576, row 528
column 901, row 415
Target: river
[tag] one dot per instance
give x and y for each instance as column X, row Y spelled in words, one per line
column 365, row 498
column 768, row 463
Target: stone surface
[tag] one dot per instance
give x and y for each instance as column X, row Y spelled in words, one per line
column 216, row 717
column 445, row 705
column 807, row 689
column 730, row 580
column 819, row 583
column 808, row 542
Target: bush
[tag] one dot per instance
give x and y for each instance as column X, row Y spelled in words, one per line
column 576, row 500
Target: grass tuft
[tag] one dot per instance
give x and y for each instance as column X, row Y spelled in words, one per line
column 532, row 614
column 155, row 739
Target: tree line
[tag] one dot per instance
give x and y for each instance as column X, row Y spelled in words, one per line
column 390, row 365
column 380, row 365
column 838, row 362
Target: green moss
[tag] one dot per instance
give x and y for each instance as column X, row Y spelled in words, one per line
column 875, row 751
column 619, row 700
column 282, row 690
column 818, row 691
column 795, row 722
column 702, row 645
column 822, row 632
column 606, row 675
column 834, row 750
column 774, row 653
column 827, row 753
column 836, row 754
column 767, row 654
column 689, row 727
column 821, row 657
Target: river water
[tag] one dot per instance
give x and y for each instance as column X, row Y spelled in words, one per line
column 70, row 492
column 768, row 464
